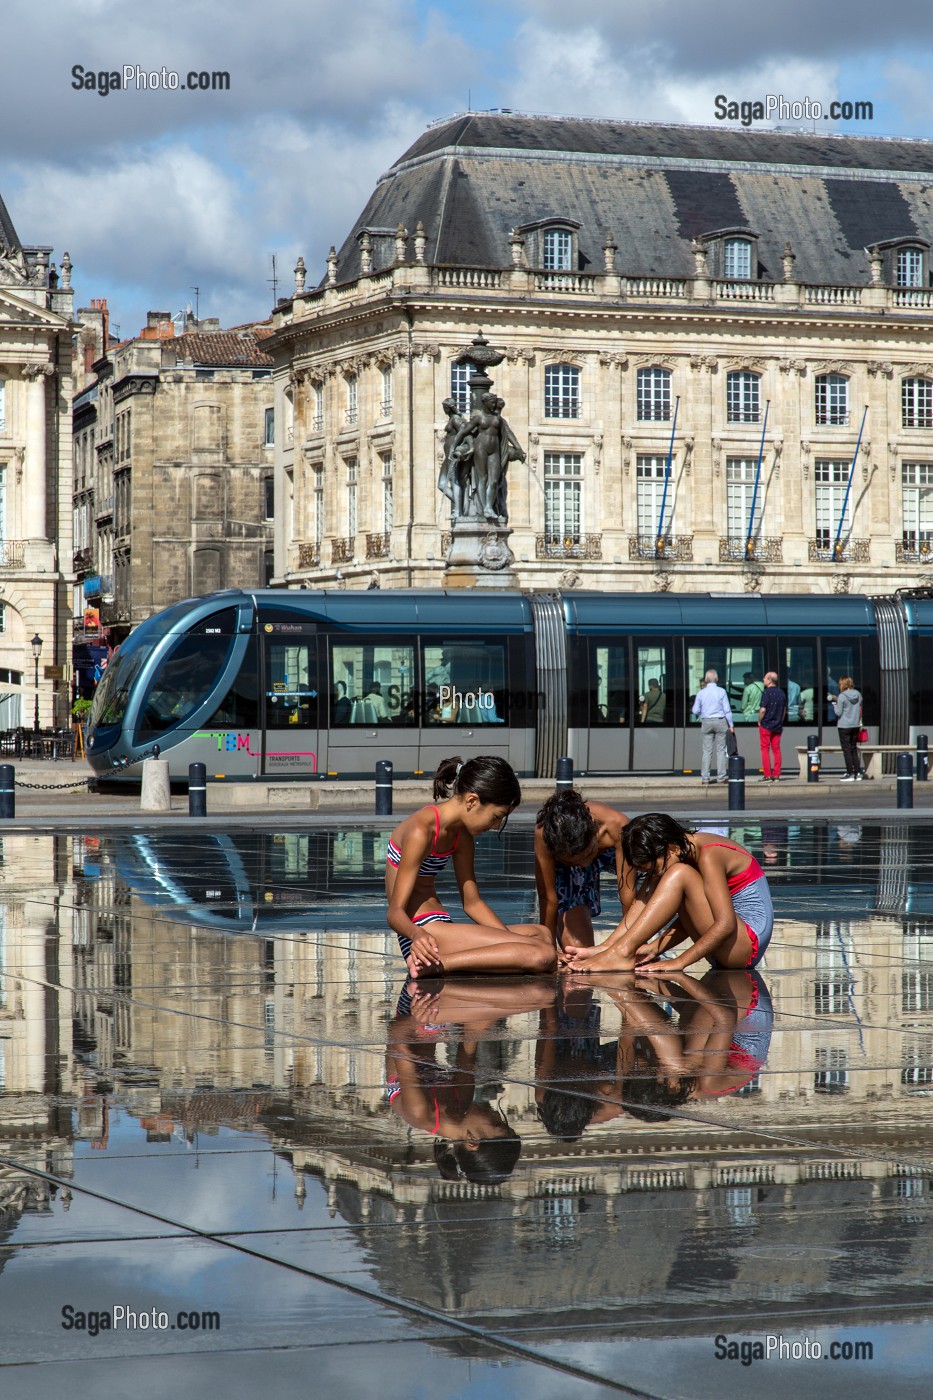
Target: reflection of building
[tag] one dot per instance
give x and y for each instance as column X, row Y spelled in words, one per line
column 173, row 490
column 655, row 289
column 35, row 464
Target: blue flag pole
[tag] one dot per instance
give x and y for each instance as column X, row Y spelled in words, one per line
column 749, row 538
column 659, row 542
column 837, row 546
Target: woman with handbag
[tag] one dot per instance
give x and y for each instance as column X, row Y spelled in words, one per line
column 848, row 707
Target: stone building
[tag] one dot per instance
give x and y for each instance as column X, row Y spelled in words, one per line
column 35, row 474
column 716, row 354
column 173, row 483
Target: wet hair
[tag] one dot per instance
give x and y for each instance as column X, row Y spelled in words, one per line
column 646, row 1096
column 565, row 1115
column 567, row 824
column 491, row 778
column 491, row 1161
column 648, row 838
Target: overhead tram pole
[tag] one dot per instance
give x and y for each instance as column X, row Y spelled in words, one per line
column 837, row 544
column 750, row 537
column 659, row 541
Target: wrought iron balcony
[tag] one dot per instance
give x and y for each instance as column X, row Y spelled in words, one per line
column 917, row 552
column 11, row 554
column 309, row 556
column 845, row 552
column 678, row 548
column 737, row 549
column 377, row 546
column 82, row 560
column 568, row 546
column 341, row 551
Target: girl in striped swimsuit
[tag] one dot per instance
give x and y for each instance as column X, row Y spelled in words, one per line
column 683, row 886
column 471, row 798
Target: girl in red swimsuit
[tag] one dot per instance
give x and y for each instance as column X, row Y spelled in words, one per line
column 470, row 798
column 683, row 886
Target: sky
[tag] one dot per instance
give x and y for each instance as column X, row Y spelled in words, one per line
column 156, row 193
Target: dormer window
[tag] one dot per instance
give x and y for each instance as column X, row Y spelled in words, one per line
column 737, row 258
column 557, row 250
column 909, row 268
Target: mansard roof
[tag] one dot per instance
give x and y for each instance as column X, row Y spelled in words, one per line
column 654, row 188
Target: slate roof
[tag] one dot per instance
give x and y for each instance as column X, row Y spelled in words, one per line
column 236, row 349
column 473, row 179
column 8, row 238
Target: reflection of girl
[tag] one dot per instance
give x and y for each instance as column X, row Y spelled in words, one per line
column 713, row 892
column 471, row 798
column 474, row 1140
column 574, row 842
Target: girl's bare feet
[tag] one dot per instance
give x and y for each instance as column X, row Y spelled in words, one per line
column 604, row 959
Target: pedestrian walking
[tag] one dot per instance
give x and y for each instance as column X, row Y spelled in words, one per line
column 771, row 716
column 714, row 712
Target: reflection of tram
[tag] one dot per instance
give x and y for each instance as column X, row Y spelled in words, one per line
column 289, row 684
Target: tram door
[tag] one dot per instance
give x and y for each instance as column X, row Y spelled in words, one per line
column 290, row 702
column 655, row 716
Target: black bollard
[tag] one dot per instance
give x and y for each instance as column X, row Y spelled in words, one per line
column 923, row 759
column 737, row 783
column 197, row 790
column 905, row 780
column 564, row 778
column 7, row 790
column 813, row 758
column 384, row 788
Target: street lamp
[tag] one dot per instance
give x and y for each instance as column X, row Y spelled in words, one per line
column 36, row 652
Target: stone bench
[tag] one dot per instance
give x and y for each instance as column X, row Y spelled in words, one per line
column 871, row 755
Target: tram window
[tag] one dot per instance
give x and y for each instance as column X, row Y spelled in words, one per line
column 239, row 708
column 653, row 677
column 372, row 683
column 609, row 685
column 186, row 675
column 741, row 671
column 841, row 657
column 465, row 683
column 291, row 693
column 798, row 680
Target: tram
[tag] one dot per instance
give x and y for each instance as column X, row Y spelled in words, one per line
column 306, row 685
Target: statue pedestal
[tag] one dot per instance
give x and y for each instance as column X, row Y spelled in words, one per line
column 479, row 556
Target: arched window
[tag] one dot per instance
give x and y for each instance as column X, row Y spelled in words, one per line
column 917, row 403
column 557, row 250
column 743, row 396
column 653, row 395
column 908, row 270
column 737, row 257
column 561, row 391
column 832, row 400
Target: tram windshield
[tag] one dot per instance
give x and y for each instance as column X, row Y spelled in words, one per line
column 187, row 674
column 112, row 695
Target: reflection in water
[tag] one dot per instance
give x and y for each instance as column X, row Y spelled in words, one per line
column 746, row 1157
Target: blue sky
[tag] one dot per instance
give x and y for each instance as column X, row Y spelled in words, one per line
column 153, row 193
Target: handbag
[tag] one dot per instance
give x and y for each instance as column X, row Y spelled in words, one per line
column 732, row 744
column 862, row 736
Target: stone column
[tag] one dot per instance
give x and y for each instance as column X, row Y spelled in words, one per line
column 34, row 481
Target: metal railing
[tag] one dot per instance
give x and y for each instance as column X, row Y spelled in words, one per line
column 378, row 546
column 11, row 554
column 845, row 552
column 309, row 556
column 919, row 553
column 341, row 551
column 678, row 548
column 735, row 548
column 568, row 546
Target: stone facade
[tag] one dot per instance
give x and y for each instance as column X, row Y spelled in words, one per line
column 35, row 472
column 173, row 474
column 716, row 359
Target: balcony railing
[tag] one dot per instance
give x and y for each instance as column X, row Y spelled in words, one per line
column 845, row 552
column 377, row 546
column 918, row 553
column 482, row 279
column 341, row 551
column 737, row 549
column 309, row 556
column 678, row 548
column 11, row 554
column 568, row 547
column 565, row 282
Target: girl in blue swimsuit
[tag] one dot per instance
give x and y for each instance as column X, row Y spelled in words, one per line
column 469, row 798
column 574, row 842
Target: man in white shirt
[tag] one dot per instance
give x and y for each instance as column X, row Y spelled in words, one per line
column 715, row 714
